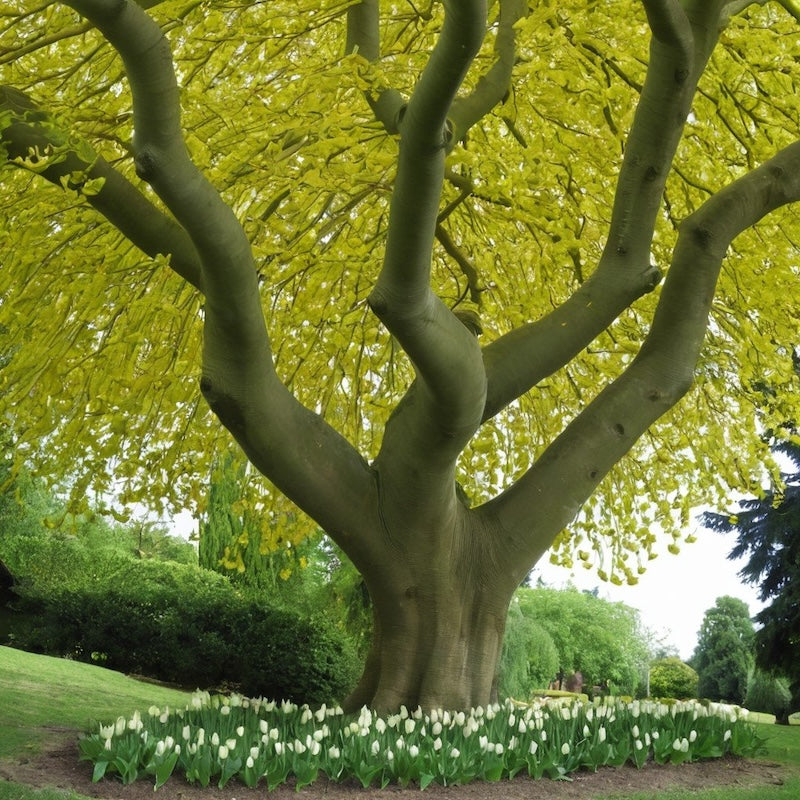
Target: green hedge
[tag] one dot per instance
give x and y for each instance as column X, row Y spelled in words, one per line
column 187, row 626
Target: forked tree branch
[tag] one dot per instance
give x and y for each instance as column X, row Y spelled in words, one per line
column 679, row 51
column 402, row 298
column 573, row 465
column 442, row 410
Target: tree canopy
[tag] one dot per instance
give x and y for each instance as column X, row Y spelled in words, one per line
column 106, row 340
column 418, row 253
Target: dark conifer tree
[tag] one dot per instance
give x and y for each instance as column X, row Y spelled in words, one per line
column 768, row 531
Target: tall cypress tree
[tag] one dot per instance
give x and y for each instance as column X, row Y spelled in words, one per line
column 723, row 658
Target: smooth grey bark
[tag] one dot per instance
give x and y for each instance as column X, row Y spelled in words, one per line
column 440, row 573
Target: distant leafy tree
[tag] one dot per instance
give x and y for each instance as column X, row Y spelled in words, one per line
column 768, row 530
column 605, row 641
column 723, row 657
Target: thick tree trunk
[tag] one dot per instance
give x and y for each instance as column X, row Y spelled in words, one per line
column 436, row 639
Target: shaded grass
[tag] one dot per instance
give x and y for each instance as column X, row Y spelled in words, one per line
column 40, row 695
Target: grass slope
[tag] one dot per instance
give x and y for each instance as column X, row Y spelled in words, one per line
column 40, row 694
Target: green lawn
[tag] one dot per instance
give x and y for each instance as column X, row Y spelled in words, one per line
column 39, row 694
column 784, row 744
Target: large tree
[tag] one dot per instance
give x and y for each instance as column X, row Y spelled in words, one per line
column 723, row 657
column 485, row 186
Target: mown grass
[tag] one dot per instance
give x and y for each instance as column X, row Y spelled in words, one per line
column 40, row 696
column 16, row 791
column 783, row 744
column 790, row 790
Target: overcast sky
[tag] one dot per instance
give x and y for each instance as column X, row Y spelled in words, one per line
column 676, row 591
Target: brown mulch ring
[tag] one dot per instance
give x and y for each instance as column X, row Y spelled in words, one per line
column 59, row 767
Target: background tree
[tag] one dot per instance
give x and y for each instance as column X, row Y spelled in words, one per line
column 723, row 657
column 767, row 530
column 250, row 547
column 261, row 553
column 529, row 659
column 605, row 641
column 501, row 198
column 768, row 693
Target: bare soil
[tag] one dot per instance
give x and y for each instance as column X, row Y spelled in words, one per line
column 59, row 767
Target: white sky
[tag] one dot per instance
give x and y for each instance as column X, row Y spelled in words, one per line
column 676, row 591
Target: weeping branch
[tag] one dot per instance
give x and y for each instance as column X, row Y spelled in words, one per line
column 363, row 37
column 466, row 266
column 33, row 130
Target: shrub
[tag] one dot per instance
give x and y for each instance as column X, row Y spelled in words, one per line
column 768, row 694
column 670, row 677
column 187, row 626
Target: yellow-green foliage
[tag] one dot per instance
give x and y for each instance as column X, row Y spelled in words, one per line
column 276, row 117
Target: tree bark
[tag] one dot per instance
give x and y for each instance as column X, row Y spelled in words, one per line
column 438, row 623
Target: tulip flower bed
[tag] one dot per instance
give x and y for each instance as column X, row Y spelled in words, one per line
column 218, row 738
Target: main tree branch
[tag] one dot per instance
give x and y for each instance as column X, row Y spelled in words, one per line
column 570, row 469
column 449, row 392
column 295, row 448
